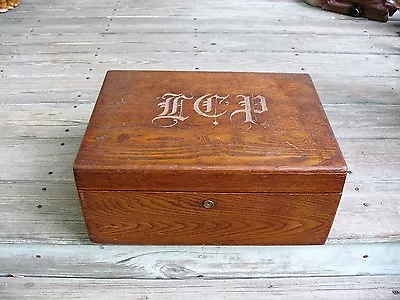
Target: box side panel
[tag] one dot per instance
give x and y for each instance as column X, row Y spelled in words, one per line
column 231, row 219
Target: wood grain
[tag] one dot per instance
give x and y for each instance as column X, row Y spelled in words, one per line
column 368, row 211
column 209, row 262
column 180, row 218
column 291, row 148
column 280, row 143
column 29, row 122
column 47, row 154
column 50, row 48
column 360, row 287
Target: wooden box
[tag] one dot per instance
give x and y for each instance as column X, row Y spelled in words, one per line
column 209, row 158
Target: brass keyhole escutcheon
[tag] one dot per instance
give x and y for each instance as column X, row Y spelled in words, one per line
column 208, row 204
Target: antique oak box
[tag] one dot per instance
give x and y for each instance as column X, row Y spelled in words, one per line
column 209, row 158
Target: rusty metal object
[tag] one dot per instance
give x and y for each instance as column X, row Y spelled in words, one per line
column 378, row 10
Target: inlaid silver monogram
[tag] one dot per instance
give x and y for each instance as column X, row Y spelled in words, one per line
column 209, row 106
column 173, row 109
column 211, row 103
column 252, row 106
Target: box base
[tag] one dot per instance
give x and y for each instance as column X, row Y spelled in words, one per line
column 156, row 218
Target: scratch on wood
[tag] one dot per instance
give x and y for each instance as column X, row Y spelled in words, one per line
column 292, row 145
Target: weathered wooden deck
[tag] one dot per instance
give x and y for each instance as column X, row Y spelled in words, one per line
column 54, row 55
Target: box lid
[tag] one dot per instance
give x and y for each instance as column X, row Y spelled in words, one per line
column 210, row 132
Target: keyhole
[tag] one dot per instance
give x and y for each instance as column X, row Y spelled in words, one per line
column 208, row 204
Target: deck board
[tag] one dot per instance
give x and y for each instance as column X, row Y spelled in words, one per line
column 54, row 55
column 211, row 262
column 363, row 287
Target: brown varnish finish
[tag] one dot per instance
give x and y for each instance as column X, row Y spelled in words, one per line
column 236, row 219
column 159, row 144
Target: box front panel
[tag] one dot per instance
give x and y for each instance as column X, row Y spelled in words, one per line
column 126, row 217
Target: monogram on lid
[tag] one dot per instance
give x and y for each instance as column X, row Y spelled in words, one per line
column 215, row 158
column 172, row 105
